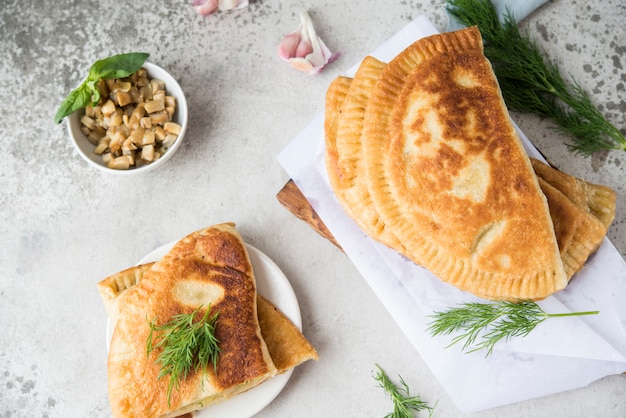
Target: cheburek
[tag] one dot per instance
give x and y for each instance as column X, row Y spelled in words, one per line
column 596, row 199
column 286, row 344
column 210, row 266
column 448, row 176
column 345, row 147
column 581, row 214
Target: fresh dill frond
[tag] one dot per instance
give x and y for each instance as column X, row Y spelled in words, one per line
column 404, row 405
column 482, row 325
column 532, row 83
column 185, row 345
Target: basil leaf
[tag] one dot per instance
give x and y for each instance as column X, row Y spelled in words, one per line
column 117, row 66
column 77, row 99
column 91, row 86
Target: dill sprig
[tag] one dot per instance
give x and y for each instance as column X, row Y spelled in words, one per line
column 185, row 344
column 531, row 82
column 404, row 405
column 491, row 322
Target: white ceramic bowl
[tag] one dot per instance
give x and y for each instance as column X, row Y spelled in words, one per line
column 85, row 148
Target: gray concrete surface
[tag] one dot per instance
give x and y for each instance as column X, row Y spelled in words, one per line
column 65, row 226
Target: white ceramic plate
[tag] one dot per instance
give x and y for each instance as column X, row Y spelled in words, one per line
column 274, row 286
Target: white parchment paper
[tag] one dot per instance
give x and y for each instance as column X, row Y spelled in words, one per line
column 559, row 355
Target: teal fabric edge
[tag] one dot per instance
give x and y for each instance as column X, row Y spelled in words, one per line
column 519, row 9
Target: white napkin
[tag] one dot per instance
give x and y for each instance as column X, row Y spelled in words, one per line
column 559, row 355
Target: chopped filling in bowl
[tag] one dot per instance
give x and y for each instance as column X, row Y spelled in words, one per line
column 132, row 124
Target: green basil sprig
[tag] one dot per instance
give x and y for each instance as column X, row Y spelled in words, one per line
column 116, row 66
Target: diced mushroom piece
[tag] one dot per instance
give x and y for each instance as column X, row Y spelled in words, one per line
column 169, row 140
column 97, row 111
column 136, row 136
column 101, row 131
column 157, row 85
column 154, row 105
column 116, row 142
column 145, row 122
column 88, row 122
column 145, row 93
column 103, row 88
column 123, row 98
column 98, row 132
column 89, row 111
column 159, row 118
column 128, row 145
column 130, row 155
column 149, row 138
column 124, row 129
column 115, row 119
column 108, row 108
column 124, row 86
column 102, row 146
column 159, row 133
column 110, row 83
column 135, row 117
column 91, row 137
column 139, row 77
column 147, row 152
column 172, row 128
column 159, row 95
column 135, row 95
column 170, row 101
column 119, row 163
column 95, row 135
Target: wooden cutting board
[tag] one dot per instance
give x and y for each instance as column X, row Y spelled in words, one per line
column 292, row 198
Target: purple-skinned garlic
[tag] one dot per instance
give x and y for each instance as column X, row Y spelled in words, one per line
column 304, row 50
column 207, row 7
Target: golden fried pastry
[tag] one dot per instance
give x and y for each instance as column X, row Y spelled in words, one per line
column 578, row 233
column 448, row 176
column 595, row 199
column 335, row 95
column 285, row 343
column 581, row 213
column 345, row 169
column 113, row 289
column 210, row 267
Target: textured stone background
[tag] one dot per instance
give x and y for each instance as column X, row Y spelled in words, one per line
column 65, row 226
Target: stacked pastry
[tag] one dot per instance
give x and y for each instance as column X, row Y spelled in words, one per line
column 422, row 154
column 207, row 269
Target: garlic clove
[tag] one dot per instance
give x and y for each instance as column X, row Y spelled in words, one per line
column 288, row 46
column 304, row 50
column 204, row 7
column 207, row 7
